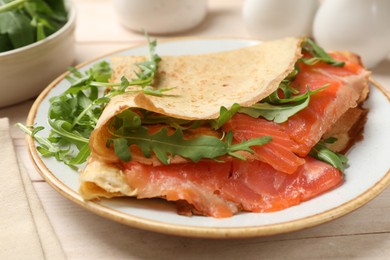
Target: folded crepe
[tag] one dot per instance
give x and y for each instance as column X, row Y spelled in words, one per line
column 201, row 85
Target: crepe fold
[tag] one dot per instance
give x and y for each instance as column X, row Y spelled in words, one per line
column 201, row 85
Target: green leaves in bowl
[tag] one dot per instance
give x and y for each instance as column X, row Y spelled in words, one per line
column 23, row 22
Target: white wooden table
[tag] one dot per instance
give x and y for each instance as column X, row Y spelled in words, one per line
column 363, row 234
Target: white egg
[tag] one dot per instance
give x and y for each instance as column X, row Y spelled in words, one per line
column 272, row 19
column 361, row 26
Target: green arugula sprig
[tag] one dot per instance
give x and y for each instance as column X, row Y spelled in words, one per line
column 81, row 105
column 144, row 77
column 73, row 114
column 126, row 130
column 282, row 108
column 323, row 153
column 319, row 54
column 49, row 147
column 288, row 92
column 278, row 111
column 99, row 78
column 23, row 22
column 224, row 116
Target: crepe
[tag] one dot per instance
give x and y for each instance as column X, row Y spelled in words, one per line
column 202, row 84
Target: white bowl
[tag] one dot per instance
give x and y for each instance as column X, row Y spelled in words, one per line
column 26, row 71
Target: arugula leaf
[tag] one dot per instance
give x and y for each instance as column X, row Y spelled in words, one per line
column 73, row 114
column 50, row 149
column 128, row 128
column 163, row 144
column 18, row 29
column 318, row 54
column 125, row 121
column 27, row 21
column 64, row 129
column 5, row 43
column 144, row 79
column 330, row 140
column 58, row 8
column 101, row 71
column 282, row 108
column 275, row 99
column 81, row 156
column 10, row 5
column 321, row 152
column 224, row 116
column 245, row 145
column 121, row 149
column 278, row 114
column 72, row 117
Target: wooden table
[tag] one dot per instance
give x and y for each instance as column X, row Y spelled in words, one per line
column 363, row 234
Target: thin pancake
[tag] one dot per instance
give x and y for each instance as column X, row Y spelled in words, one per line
column 204, row 83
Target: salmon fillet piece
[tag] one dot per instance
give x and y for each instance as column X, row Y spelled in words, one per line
column 223, row 189
column 292, row 141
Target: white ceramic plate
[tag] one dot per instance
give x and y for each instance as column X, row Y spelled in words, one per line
column 367, row 175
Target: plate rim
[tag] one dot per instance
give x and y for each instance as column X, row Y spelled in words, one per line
column 188, row 230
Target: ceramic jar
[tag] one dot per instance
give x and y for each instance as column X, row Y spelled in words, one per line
column 272, row 19
column 361, row 26
column 160, row 16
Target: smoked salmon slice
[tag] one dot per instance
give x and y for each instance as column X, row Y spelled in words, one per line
column 345, row 87
column 279, row 152
column 223, row 189
column 293, row 140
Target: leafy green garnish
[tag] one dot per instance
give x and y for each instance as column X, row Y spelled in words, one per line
column 73, row 114
column 245, row 145
column 224, row 116
column 80, row 104
column 275, row 99
column 126, row 133
column 49, row 147
column 288, row 92
column 282, row 108
column 72, row 117
column 144, row 77
column 318, row 54
column 278, row 111
column 323, row 153
column 23, row 22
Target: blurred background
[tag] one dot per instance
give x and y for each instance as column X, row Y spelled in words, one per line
column 105, row 26
column 357, row 25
